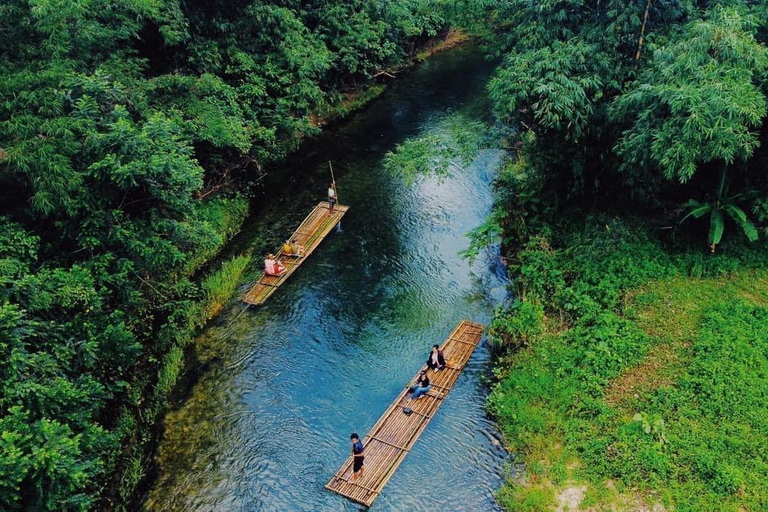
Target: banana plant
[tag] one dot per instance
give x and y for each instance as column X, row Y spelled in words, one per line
column 718, row 208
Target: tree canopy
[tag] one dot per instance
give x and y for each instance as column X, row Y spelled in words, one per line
column 633, row 102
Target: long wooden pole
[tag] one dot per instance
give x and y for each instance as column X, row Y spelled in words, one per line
column 333, row 180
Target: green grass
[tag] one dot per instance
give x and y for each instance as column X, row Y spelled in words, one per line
column 349, row 103
column 643, row 383
column 216, row 220
column 219, row 287
column 534, row 500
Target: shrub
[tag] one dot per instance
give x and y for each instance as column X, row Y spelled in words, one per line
column 517, row 325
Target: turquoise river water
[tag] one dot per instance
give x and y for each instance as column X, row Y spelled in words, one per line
column 267, row 422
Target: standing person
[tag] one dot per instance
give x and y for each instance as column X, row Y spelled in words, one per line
column 436, row 360
column 358, row 457
column 421, row 387
column 331, row 197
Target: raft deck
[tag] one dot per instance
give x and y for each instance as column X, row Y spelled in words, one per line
column 393, row 436
column 310, row 233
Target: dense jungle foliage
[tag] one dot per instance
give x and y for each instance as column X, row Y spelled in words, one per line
column 654, row 107
column 131, row 133
column 633, row 214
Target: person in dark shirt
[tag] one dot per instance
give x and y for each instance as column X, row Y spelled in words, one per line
column 358, row 457
column 421, row 387
column 436, row 360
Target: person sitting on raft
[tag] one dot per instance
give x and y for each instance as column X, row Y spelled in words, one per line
column 298, row 249
column 436, row 359
column 293, row 249
column 421, row 387
column 273, row 267
column 288, row 249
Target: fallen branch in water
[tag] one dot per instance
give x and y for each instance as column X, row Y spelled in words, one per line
column 384, row 72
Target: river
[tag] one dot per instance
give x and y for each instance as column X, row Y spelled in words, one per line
column 267, row 423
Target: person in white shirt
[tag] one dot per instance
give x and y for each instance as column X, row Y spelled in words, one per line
column 331, row 198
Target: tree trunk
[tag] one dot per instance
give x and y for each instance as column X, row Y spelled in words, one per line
column 642, row 30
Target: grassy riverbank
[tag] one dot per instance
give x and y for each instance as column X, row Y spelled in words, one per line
column 354, row 100
column 639, row 378
column 635, row 374
column 156, row 377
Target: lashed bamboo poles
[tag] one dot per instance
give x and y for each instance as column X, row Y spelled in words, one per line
column 395, row 433
column 313, row 229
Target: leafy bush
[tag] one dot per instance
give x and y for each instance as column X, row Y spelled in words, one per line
column 517, row 325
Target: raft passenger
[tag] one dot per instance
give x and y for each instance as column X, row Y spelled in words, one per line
column 421, row 387
column 358, row 457
column 436, row 360
column 273, row 267
column 331, row 197
column 298, row 249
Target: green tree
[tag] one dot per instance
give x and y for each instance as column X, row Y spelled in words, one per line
column 131, row 133
column 699, row 101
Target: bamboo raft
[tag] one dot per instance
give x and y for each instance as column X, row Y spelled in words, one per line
column 393, row 436
column 310, row 233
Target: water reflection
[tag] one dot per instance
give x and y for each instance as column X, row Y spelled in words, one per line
column 268, row 424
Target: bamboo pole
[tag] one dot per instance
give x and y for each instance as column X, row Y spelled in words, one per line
column 642, row 30
column 333, row 180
